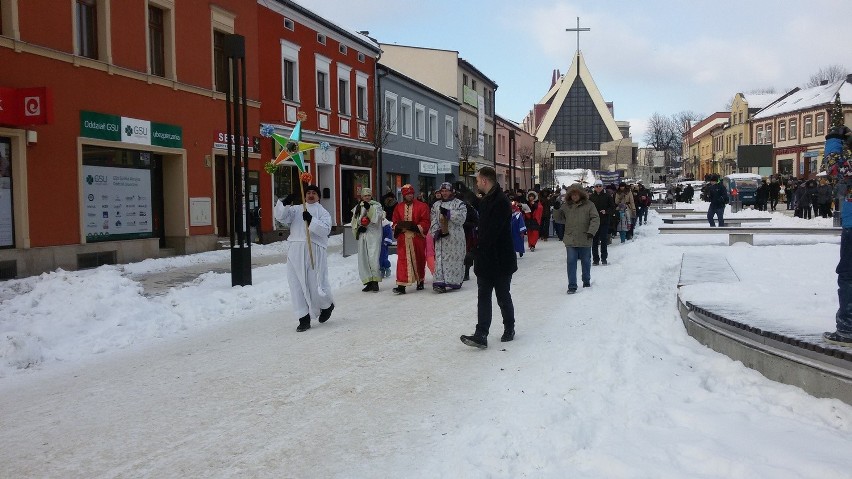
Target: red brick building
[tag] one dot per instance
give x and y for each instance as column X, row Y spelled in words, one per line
column 125, row 155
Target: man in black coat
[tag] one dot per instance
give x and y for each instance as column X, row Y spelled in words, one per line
column 494, row 259
column 605, row 204
column 717, row 195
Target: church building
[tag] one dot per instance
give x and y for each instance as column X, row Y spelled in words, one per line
column 579, row 125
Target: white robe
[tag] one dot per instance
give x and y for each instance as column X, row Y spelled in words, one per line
column 370, row 241
column 310, row 290
column 449, row 250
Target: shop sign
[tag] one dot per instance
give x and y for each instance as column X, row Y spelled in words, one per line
column 811, row 154
column 428, row 168
column 470, row 96
column 220, row 141
column 580, row 153
column 129, row 130
column 25, row 106
column 445, row 168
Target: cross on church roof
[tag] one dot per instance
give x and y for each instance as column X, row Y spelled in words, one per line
column 578, row 30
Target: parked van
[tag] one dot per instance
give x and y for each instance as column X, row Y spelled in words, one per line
column 742, row 186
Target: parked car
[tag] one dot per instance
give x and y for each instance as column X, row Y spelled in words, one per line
column 742, row 186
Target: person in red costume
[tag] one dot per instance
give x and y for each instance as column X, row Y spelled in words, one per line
column 411, row 221
column 533, row 219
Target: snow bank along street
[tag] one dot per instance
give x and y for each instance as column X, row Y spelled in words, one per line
column 100, row 379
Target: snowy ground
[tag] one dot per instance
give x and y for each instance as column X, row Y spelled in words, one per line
column 99, row 380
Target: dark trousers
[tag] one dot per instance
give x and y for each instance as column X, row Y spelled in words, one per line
column 601, row 239
column 773, row 202
column 500, row 286
column 718, row 211
column 559, row 228
column 844, row 285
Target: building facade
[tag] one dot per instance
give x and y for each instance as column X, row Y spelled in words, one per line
column 516, row 155
column 327, row 74
column 419, row 124
column 113, row 158
column 452, row 76
column 796, row 126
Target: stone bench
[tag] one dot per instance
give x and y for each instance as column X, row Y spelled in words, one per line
column 737, row 234
column 734, row 221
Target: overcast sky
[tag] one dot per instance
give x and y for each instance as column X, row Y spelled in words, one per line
column 646, row 56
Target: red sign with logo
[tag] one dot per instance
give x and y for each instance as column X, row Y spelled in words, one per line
column 25, row 106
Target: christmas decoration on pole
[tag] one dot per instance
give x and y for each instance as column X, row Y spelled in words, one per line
column 292, row 149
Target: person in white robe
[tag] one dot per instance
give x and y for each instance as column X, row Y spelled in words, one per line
column 447, row 229
column 310, row 290
column 367, row 227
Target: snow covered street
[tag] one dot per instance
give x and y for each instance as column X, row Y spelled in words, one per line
column 206, row 380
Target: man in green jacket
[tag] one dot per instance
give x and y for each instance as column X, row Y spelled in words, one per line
column 581, row 221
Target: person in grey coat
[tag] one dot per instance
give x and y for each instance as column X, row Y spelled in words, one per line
column 824, row 196
column 581, row 220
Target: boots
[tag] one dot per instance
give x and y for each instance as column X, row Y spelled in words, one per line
column 399, row 290
column 368, row 287
column 324, row 314
column 304, row 323
column 420, row 286
column 375, row 287
column 476, row 340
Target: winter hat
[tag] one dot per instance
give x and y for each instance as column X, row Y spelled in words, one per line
column 533, row 194
column 366, row 191
column 598, row 183
column 313, row 188
column 446, row 186
column 407, row 190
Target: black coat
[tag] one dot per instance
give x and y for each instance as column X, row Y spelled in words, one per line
column 717, row 195
column 495, row 253
column 603, row 201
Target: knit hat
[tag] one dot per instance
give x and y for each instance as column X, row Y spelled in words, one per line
column 446, row 186
column 366, row 191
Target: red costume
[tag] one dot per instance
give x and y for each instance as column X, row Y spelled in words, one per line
column 534, row 226
column 410, row 223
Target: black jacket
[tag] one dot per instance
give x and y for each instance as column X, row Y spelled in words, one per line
column 603, row 201
column 718, row 195
column 495, row 253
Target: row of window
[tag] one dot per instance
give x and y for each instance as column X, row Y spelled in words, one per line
column 407, row 118
column 488, row 95
column 322, row 69
column 764, row 132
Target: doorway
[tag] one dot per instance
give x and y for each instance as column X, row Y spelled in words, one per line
column 352, row 180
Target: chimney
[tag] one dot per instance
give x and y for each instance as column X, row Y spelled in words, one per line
column 849, row 78
column 553, row 79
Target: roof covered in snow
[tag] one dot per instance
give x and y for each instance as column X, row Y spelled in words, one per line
column 809, row 98
column 761, row 100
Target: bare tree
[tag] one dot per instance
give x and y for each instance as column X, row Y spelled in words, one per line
column 526, row 155
column 830, row 73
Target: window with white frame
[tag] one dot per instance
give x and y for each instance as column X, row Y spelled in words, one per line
column 759, row 132
column 405, row 117
column 323, row 66
column 433, row 127
column 449, row 131
column 782, row 130
column 289, row 24
column 767, row 136
column 343, row 95
column 361, row 97
column 808, row 129
column 793, row 129
column 160, row 38
column 391, row 112
column 87, row 28
column 420, row 121
column 321, row 38
column 820, row 124
column 9, row 19
column 289, row 71
column 343, row 50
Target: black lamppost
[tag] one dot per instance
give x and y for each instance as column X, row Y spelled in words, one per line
column 236, row 116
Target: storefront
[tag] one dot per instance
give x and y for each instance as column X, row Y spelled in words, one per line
column 424, row 175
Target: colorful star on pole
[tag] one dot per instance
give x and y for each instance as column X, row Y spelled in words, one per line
column 293, row 147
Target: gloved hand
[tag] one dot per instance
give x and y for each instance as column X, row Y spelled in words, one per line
column 468, row 259
column 362, row 229
column 589, row 235
column 444, row 211
column 307, row 216
column 397, row 231
column 288, row 200
column 413, row 227
column 366, row 205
